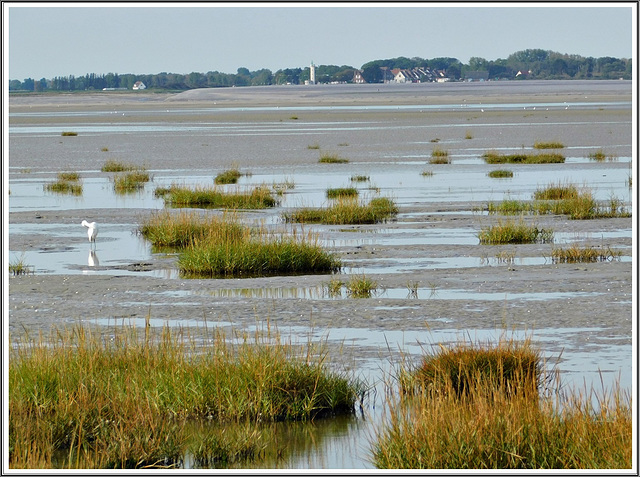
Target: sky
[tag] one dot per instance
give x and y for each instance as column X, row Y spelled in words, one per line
column 44, row 40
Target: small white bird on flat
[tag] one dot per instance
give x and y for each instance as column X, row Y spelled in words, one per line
column 92, row 230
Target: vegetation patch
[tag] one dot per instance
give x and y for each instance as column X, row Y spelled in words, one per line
column 332, row 159
column 575, row 253
column 211, row 197
column 361, row 286
column 563, row 200
column 118, row 166
column 510, row 231
column 147, row 400
column 335, row 193
column 600, row 156
column 439, row 156
column 256, row 254
column 500, row 174
column 486, row 407
column 69, row 133
column 492, row 157
column 346, row 210
column 19, row 266
column 66, row 183
column 548, row 145
column 220, row 246
column 360, row 178
column 130, row 181
column 313, row 146
column 180, row 229
column 230, row 176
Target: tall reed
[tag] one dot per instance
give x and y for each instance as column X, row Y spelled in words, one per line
column 78, row 400
column 346, row 210
column 256, row 198
column 480, row 408
column 509, row 231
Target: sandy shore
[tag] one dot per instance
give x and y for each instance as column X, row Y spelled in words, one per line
column 602, row 292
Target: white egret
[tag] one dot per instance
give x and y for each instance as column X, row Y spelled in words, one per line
column 92, row 230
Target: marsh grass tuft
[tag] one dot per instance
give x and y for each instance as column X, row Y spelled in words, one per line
column 548, row 145
column 113, row 165
column 66, row 183
column 500, row 174
column 257, row 254
column 576, row 253
column 562, row 199
column 136, row 400
column 212, row 197
column 229, row 176
column 492, row 157
column 18, row 266
column 439, row 156
column 600, row 156
column 130, row 181
column 510, row 231
column 69, row 133
column 332, row 159
column 336, row 193
column 491, row 407
column 346, row 210
column 427, row 173
column 361, row 286
column 360, row 178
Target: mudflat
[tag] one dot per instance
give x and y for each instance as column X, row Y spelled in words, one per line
column 491, row 293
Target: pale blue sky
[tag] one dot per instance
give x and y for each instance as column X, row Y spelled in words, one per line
column 47, row 40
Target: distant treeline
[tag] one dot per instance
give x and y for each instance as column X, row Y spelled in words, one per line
column 525, row 64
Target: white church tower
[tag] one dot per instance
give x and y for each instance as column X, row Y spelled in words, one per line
column 312, row 74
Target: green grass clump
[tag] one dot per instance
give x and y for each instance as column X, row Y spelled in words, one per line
column 360, row 178
column 313, row 146
column 510, row 207
column 510, row 231
column 548, row 145
column 556, row 192
column 510, row 367
column 361, row 286
column 220, row 246
column 177, row 230
column 500, row 174
column 68, row 176
column 332, row 159
column 64, row 187
column 472, row 407
column 257, row 198
column 335, row 193
column 427, row 173
column 575, row 253
column 492, row 157
column 562, row 199
column 346, row 210
column 261, row 254
column 230, row 176
column 130, row 181
column 112, row 165
column 439, row 156
column 147, row 400
column 69, row 133
column 66, row 183
column 19, row 266
column 334, row 287
column 600, row 156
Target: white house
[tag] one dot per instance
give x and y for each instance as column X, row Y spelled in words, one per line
column 139, row 85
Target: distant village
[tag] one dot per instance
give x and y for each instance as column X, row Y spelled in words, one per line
column 522, row 65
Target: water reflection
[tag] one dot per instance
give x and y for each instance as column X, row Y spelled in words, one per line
column 93, row 259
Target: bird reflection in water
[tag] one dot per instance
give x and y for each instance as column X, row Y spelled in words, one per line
column 93, row 259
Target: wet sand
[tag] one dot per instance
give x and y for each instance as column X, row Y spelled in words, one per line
column 603, row 291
